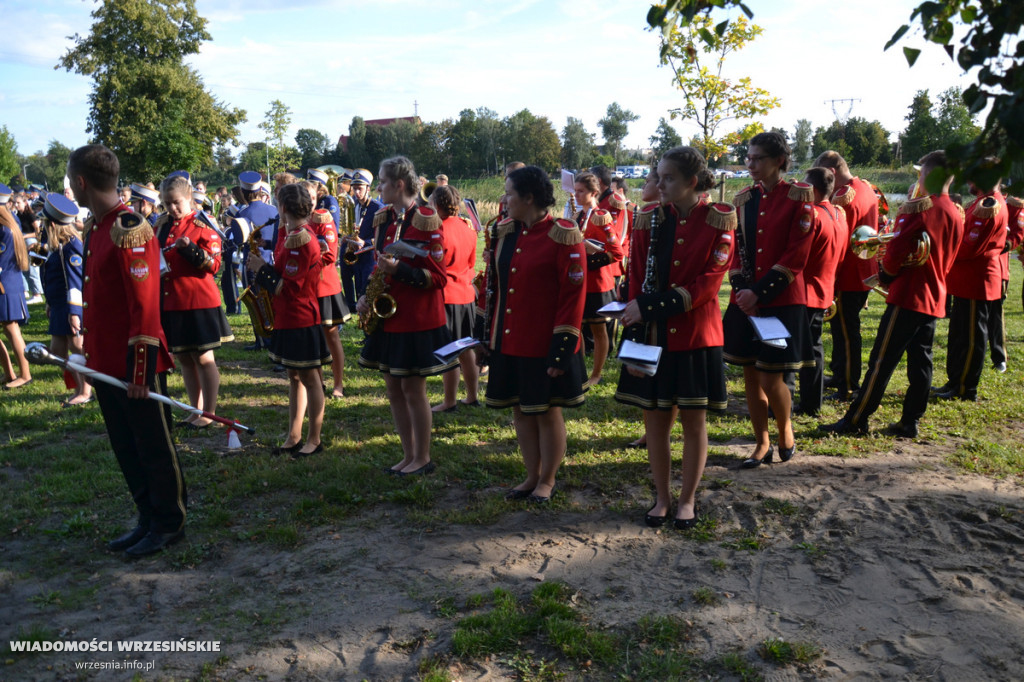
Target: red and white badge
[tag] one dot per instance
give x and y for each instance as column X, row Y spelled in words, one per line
column 291, row 267
column 722, row 254
column 139, row 270
column 576, row 274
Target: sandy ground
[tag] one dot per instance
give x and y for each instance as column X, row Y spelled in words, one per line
column 919, row 574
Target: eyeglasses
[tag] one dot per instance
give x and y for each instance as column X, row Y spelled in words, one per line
column 756, row 159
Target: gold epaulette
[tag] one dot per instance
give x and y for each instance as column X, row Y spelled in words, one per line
column 722, row 217
column 425, row 219
column 742, row 197
column 843, row 196
column 322, row 216
column 601, row 218
column 986, row 209
column 382, row 216
column 919, row 205
column 1015, row 202
column 504, row 227
column 802, row 192
column 466, row 220
column 961, row 211
column 617, row 201
column 566, row 232
column 297, row 239
column 840, row 214
column 643, row 216
column 130, row 230
column 87, row 226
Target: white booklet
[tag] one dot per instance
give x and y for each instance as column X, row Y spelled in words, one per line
column 455, row 348
column 640, row 356
column 770, row 330
column 613, row 309
column 596, row 244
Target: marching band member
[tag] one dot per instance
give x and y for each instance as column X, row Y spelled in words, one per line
column 1015, row 209
column 603, row 245
column 829, row 243
column 333, row 311
column 402, row 346
column 298, row 341
column 459, row 298
column 857, row 199
column 917, row 298
column 530, row 326
column 679, row 256
column 62, row 286
column 263, row 220
column 144, row 199
column 324, row 199
column 121, row 320
column 355, row 276
column 974, row 281
column 772, row 242
column 13, row 311
column 996, row 326
column 192, row 318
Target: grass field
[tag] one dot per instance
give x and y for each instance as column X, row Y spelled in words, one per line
column 63, row 495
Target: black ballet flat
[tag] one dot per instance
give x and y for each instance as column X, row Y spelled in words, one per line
column 753, row 462
column 786, row 454
column 422, row 471
column 516, row 495
column 297, row 452
column 285, row 449
column 655, row 521
column 540, row 499
column 685, row 524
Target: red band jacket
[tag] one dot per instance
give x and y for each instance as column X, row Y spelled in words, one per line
column 976, row 272
column 602, row 268
column 327, row 235
column 692, row 256
column 460, row 260
column 418, row 284
column 827, row 248
column 773, row 237
column 536, row 290
column 189, row 283
column 121, row 298
column 293, row 279
column 1015, row 231
column 860, row 204
column 922, row 288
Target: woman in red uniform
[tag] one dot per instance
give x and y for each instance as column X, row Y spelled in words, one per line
column 333, row 311
column 191, row 312
column 530, row 325
column 603, row 245
column 679, row 256
column 298, row 340
column 402, row 346
column 773, row 239
column 459, row 296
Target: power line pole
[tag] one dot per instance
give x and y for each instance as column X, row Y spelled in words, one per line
column 835, row 109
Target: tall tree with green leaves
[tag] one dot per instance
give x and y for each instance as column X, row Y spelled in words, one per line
column 49, row 167
column 664, row 138
column 803, row 134
column 614, row 127
column 275, row 126
column 954, row 122
column 577, row 144
column 859, row 141
column 8, row 155
column 355, row 154
column 530, row 139
column 919, row 137
column 146, row 104
column 313, row 146
column 696, row 52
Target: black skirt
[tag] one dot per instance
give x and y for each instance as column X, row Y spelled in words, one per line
column 514, row 380
column 594, row 303
column 689, row 379
column 333, row 310
column 59, row 325
column 407, row 354
column 461, row 317
column 742, row 346
column 196, row 331
column 300, row 348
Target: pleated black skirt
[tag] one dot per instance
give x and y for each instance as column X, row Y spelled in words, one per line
column 595, row 302
column 333, row 310
column 300, row 348
column 405, row 354
column 525, row 382
column 690, row 380
column 196, row 331
column 742, row 346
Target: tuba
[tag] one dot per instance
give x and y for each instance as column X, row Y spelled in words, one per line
column 256, row 299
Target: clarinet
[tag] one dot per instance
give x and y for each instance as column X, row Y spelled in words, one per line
column 489, row 289
column 650, row 284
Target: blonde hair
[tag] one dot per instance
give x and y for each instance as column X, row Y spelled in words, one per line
column 401, row 168
column 58, row 234
column 175, row 185
column 20, row 250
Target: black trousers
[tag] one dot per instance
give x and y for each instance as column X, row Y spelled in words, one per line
column 140, row 435
column 227, row 284
column 997, row 328
column 846, row 340
column 812, row 379
column 899, row 331
column 965, row 358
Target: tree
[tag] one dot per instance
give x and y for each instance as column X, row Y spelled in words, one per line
column 253, row 158
column 431, row 147
column 919, row 137
column 954, row 122
column 8, row 155
column 356, row 152
column 313, row 145
column 50, row 166
column 696, row 53
column 462, row 154
column 802, row 136
column 664, row 138
column 530, row 139
column 275, row 126
column 488, row 131
column 615, row 127
column 577, row 144
column 143, row 91
column 860, row 142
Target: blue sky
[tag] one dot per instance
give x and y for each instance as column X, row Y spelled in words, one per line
column 330, row 61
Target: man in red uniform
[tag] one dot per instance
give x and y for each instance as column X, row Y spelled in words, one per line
column 996, row 327
column 916, row 300
column 123, row 338
column 860, row 204
column 1015, row 207
column 974, row 282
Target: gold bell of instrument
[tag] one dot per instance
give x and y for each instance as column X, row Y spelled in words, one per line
column 865, row 243
column 830, row 311
column 385, row 306
column 425, row 191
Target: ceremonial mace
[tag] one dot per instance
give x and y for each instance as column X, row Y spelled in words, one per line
column 39, row 354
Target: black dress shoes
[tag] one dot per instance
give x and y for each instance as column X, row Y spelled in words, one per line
column 427, row 468
column 954, row 395
column 154, row 542
column 655, row 521
column 786, row 454
column 685, row 524
column 128, row 539
column 753, row 462
column 902, row 430
column 843, row 427
column 515, row 495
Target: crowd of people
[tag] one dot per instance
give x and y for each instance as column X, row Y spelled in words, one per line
column 133, row 289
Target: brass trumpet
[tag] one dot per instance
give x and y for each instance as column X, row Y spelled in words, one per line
column 865, row 242
column 425, row 191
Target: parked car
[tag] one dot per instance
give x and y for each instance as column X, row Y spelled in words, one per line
column 741, row 174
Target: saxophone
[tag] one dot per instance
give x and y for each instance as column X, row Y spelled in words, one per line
column 348, row 228
column 382, row 305
column 257, row 301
